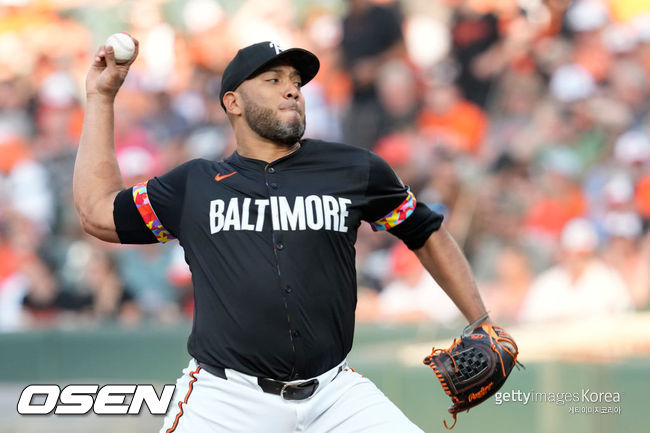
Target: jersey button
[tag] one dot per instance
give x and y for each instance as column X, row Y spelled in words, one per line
column 274, row 185
column 279, row 246
column 271, row 170
column 288, row 289
column 295, row 334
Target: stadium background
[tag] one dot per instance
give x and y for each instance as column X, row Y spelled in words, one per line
column 525, row 122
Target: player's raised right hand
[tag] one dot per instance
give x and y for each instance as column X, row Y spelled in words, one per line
column 105, row 76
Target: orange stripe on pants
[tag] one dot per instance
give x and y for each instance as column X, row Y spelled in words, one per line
column 180, row 403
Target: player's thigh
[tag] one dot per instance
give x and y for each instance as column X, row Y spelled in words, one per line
column 205, row 403
column 360, row 407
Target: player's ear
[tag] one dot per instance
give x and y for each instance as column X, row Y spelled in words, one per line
column 232, row 101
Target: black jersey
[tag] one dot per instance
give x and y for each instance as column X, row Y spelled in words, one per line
column 271, row 249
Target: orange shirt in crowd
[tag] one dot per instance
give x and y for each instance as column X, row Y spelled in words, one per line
column 13, row 150
column 550, row 214
column 9, row 262
column 463, row 125
column 642, row 196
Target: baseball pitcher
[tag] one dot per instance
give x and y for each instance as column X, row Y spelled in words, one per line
column 269, row 235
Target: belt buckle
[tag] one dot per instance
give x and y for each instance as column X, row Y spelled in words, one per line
column 313, row 383
column 284, row 388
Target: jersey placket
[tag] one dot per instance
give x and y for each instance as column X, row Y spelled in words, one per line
column 278, row 248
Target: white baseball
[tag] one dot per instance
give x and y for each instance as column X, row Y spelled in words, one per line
column 123, row 46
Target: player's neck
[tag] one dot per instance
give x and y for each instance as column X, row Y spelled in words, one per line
column 264, row 150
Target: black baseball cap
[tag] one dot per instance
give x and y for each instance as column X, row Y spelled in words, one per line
column 252, row 58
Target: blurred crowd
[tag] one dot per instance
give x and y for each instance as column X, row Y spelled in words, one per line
column 526, row 123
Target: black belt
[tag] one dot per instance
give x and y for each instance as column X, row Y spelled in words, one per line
column 288, row 391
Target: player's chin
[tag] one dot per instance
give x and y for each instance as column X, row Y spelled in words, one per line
column 298, row 124
column 292, row 119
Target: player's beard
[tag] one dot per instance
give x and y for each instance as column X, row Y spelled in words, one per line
column 266, row 124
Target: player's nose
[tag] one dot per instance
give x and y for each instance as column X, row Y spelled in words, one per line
column 291, row 94
column 291, row 91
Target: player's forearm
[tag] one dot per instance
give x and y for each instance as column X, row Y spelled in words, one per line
column 444, row 260
column 97, row 177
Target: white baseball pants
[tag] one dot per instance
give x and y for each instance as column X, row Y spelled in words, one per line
column 344, row 402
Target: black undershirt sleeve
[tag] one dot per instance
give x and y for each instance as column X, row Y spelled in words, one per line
column 416, row 229
column 129, row 224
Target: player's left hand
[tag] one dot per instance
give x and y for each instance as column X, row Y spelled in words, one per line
column 475, row 366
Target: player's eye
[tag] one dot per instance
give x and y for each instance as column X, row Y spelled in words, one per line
column 273, row 80
column 298, row 84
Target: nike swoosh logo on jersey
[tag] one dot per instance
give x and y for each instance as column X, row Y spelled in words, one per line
column 219, row 177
